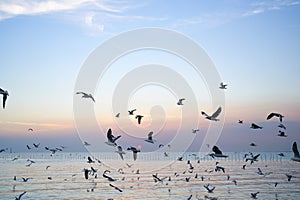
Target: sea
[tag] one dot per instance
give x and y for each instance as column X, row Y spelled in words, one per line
column 61, row 176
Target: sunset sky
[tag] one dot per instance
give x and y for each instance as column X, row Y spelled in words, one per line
column 254, row 45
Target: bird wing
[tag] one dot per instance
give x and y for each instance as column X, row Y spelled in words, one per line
column 255, row 157
column 109, row 135
column 4, row 99
column 216, row 150
column 255, row 126
column 217, row 113
column 134, row 155
column 120, row 148
column 295, row 150
column 204, row 114
column 81, row 93
column 92, row 98
column 271, row 115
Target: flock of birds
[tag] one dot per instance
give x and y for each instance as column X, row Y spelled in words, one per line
column 112, row 141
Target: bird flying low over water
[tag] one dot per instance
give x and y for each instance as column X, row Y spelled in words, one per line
column 195, row 130
column 240, row 121
column 214, row 116
column 5, row 94
column 296, row 153
column 217, row 153
column 255, row 126
column 85, row 95
column 20, row 196
column 223, row 86
column 120, row 152
column 280, row 116
column 135, row 151
column 252, row 158
column 150, row 139
column 180, row 101
column 30, row 129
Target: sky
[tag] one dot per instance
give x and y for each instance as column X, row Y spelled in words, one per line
column 254, row 46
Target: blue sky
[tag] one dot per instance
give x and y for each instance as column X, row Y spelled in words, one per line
column 254, row 45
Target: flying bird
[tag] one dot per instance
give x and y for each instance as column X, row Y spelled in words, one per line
column 195, row 131
column 134, row 151
column 255, row 126
column 30, row 129
column 150, row 139
column 280, row 116
column 180, row 101
column 254, row 195
column 111, row 140
column 20, row 196
column 85, row 95
column 120, row 152
column 240, row 121
column 117, row 115
column 36, row 145
column 296, row 153
column 5, row 94
column 282, row 126
column 217, row 153
column 90, row 160
column 86, row 143
column 139, row 118
column 252, row 158
column 209, row 188
column 130, row 112
column 252, row 144
column 214, row 116
column 282, row 134
column 223, row 86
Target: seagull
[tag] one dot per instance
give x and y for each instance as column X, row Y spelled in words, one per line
column 281, row 134
column 255, row 126
column 135, row 151
column 86, row 173
column 36, row 145
column 85, row 95
column 282, row 126
column 252, row 144
column 209, row 189
column 30, row 129
column 86, row 143
column 20, row 196
column 219, row 168
column 5, row 94
column 108, row 177
column 253, row 158
column 139, row 118
column 280, row 116
column 240, row 121
column 90, row 160
column 254, row 195
column 117, row 115
column 149, row 139
column 213, row 116
column 131, row 111
column 180, row 102
column 296, row 153
column 195, row 131
column 28, row 147
column 217, row 153
column 281, row 154
column 120, row 152
column 111, row 140
column 289, row 177
column 223, row 86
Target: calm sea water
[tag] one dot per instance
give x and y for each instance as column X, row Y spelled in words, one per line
column 64, row 178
